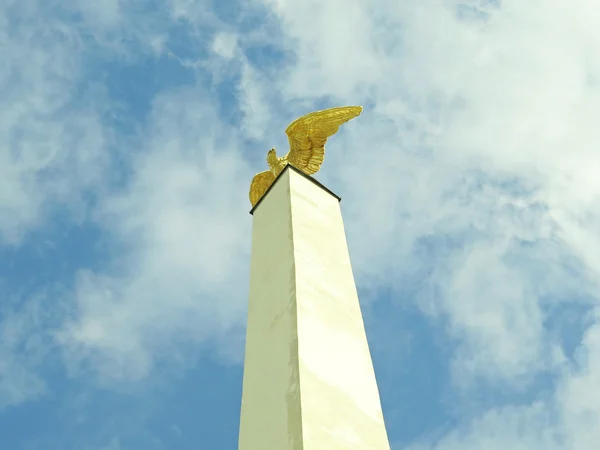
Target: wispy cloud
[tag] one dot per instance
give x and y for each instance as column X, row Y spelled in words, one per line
column 181, row 223
column 470, row 187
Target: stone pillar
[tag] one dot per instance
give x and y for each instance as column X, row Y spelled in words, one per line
column 308, row 382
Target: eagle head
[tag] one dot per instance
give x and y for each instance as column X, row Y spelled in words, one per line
column 272, row 157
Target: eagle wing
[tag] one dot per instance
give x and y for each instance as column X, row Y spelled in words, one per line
column 260, row 183
column 308, row 134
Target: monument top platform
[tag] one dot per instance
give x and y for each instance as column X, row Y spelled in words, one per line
column 300, row 172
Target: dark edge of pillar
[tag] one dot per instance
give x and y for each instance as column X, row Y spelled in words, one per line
column 300, row 172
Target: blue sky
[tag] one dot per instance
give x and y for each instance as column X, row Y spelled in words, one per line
column 129, row 134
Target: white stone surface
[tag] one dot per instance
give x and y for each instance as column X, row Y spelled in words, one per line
column 309, row 382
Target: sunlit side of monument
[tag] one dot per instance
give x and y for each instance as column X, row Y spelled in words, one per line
column 308, row 381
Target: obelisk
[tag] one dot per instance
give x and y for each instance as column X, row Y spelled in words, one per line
column 309, row 382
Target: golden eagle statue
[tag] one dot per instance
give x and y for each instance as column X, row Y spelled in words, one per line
column 307, row 136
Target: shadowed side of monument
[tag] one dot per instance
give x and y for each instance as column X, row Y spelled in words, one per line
column 270, row 415
column 309, row 382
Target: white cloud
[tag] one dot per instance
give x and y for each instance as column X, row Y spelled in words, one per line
column 567, row 420
column 183, row 225
column 521, row 428
column 471, row 173
column 225, row 45
column 18, row 383
column 24, row 344
column 51, row 137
